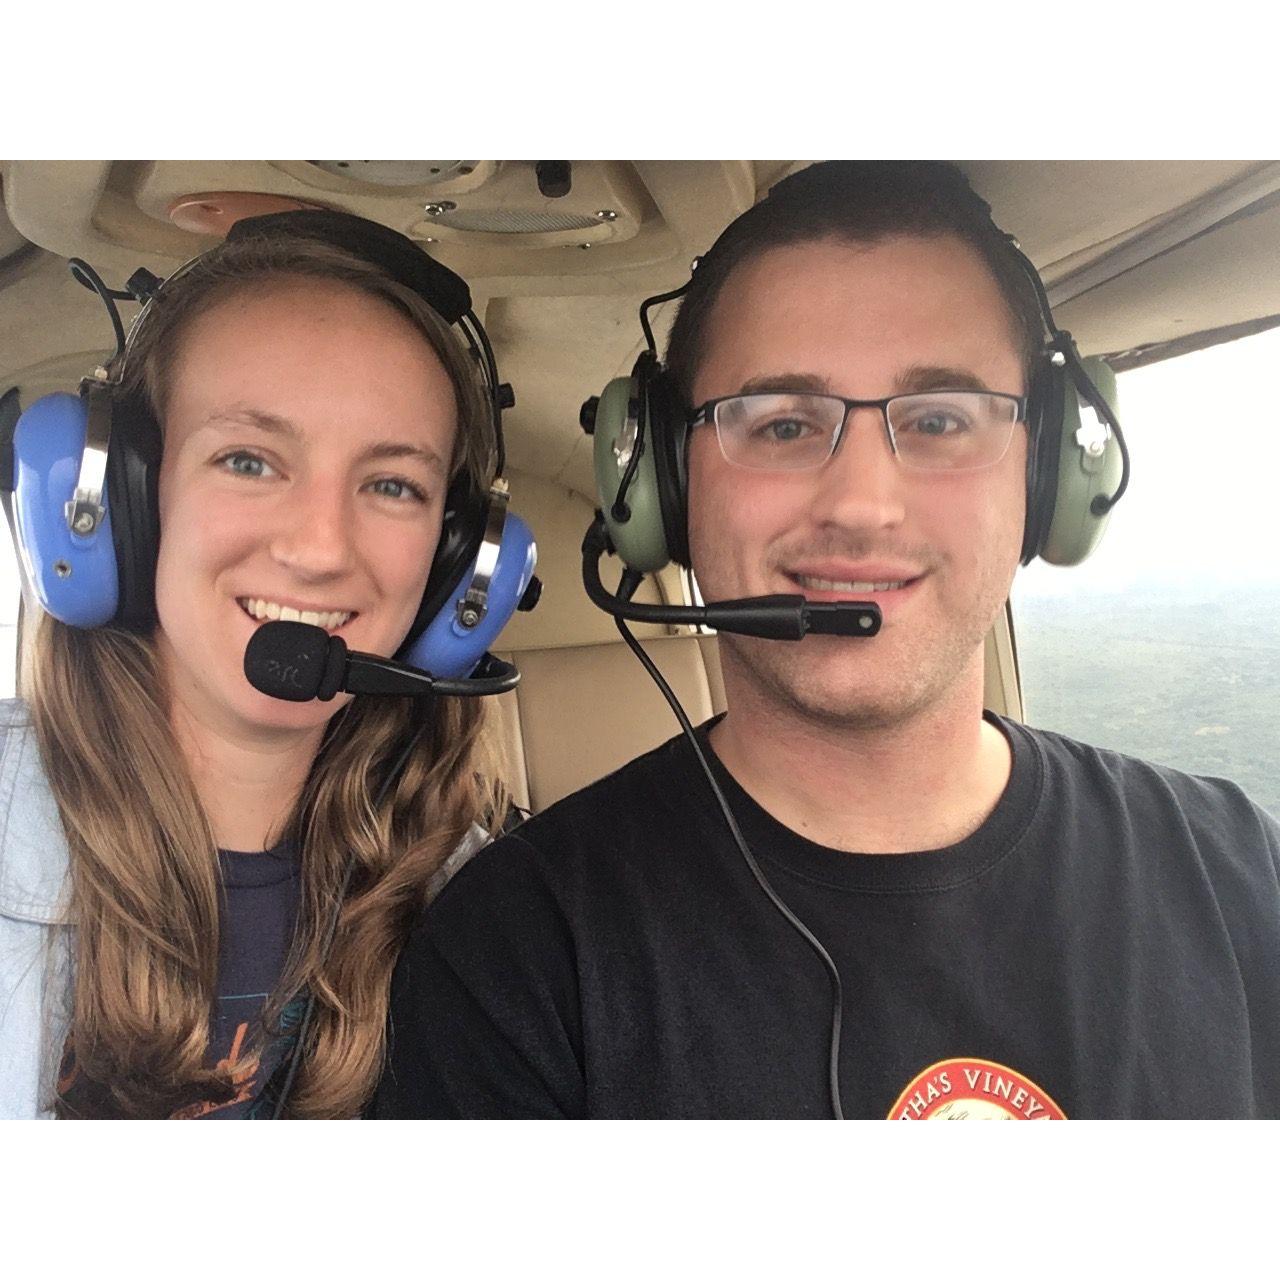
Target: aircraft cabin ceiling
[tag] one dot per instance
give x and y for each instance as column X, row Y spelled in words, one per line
column 1136, row 254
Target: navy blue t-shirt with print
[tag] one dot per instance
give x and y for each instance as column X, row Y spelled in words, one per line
column 260, row 907
column 259, row 911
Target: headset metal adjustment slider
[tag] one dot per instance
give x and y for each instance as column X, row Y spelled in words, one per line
column 475, row 603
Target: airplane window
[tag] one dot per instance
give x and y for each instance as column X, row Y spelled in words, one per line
column 1166, row 643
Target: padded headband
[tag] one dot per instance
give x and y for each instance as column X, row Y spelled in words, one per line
column 396, row 254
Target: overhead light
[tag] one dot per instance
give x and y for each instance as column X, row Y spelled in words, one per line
column 212, row 213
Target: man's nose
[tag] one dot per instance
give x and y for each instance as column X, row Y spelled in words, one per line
column 861, row 484
column 313, row 535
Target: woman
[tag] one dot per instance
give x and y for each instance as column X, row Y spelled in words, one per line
column 173, row 842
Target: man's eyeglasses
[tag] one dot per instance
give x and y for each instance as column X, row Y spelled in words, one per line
column 927, row 431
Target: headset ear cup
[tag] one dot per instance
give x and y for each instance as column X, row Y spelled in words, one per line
column 448, row 650
column 466, row 512
column 1089, row 465
column 633, row 513
column 74, row 578
column 1044, row 430
column 669, row 430
column 133, row 474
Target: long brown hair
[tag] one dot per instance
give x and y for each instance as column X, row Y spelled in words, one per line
column 145, row 888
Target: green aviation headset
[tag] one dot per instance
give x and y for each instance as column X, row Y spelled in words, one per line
column 1076, row 471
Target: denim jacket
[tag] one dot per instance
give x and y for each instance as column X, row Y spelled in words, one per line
column 35, row 941
column 35, row 952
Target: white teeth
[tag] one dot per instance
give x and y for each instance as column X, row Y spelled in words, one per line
column 271, row 610
column 826, row 584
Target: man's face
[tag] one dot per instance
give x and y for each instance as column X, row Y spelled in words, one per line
column 864, row 322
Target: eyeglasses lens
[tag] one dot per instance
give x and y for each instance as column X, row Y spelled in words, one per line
column 932, row 431
column 952, row 430
column 778, row 432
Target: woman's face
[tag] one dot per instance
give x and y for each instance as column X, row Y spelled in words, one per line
column 307, row 440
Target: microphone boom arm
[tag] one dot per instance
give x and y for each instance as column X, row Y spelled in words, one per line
column 776, row 617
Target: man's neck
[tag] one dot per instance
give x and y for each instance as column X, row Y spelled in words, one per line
column 247, row 785
column 925, row 782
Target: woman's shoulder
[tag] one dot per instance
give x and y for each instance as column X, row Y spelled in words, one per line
column 14, row 714
column 33, row 849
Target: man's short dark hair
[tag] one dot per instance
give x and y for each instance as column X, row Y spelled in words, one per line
column 858, row 201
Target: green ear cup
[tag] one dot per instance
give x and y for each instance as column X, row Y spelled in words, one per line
column 1089, row 464
column 636, row 532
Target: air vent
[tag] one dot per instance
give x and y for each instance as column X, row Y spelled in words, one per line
column 514, row 221
column 398, row 173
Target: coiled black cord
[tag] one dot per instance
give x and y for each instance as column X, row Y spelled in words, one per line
column 626, row 588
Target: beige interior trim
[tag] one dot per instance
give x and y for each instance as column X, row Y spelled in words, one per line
column 1002, row 688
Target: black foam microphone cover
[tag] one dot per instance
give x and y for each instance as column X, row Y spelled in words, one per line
column 294, row 661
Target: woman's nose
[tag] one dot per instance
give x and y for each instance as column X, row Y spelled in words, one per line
column 313, row 536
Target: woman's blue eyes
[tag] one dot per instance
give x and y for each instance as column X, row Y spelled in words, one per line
column 244, row 464
column 252, row 467
column 399, row 489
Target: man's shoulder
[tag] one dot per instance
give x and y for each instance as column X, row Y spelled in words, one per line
column 627, row 795
column 1213, row 812
column 1136, row 773
column 593, row 834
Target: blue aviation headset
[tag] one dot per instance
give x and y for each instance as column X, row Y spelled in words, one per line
column 85, row 468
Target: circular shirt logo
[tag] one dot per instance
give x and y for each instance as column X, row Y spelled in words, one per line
column 973, row 1089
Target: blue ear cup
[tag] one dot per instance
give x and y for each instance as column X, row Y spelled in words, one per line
column 74, row 578
column 447, row 648
column 106, row 575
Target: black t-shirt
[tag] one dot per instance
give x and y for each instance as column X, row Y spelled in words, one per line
column 1106, row 944
column 259, row 911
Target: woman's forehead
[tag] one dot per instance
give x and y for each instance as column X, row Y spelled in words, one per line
column 317, row 357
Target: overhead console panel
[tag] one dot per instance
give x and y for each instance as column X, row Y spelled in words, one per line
column 511, row 227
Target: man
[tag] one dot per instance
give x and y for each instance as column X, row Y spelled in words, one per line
column 1021, row 926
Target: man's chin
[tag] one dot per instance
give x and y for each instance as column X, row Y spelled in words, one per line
column 824, row 693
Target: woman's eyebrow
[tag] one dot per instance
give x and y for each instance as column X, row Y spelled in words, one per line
column 399, row 449
column 274, row 424
column 244, row 416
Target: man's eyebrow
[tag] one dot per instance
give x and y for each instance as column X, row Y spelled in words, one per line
column 918, row 377
column 786, row 382
column 274, row 424
column 929, row 377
